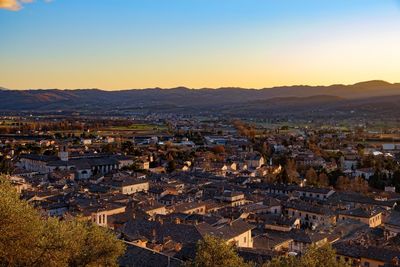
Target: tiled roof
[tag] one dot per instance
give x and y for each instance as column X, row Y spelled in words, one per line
column 144, row 257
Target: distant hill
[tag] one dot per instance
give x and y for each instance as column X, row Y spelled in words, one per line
column 230, row 100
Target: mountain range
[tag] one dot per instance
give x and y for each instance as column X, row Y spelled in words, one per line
column 367, row 97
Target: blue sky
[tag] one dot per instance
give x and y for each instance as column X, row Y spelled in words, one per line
column 116, row 44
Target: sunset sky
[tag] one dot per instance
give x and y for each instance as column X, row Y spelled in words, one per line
column 123, row 44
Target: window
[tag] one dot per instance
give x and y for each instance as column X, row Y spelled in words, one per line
column 244, row 239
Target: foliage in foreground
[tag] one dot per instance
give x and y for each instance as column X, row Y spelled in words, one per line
column 314, row 257
column 26, row 239
column 215, row 252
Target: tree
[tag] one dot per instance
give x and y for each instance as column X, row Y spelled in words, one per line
column 218, row 149
column 215, row 252
column 171, row 166
column 396, row 180
column 377, row 180
column 6, row 166
column 312, row 177
column 359, row 185
column 128, row 147
column 291, row 169
column 342, row 183
column 27, row 239
column 109, row 148
column 314, row 257
column 323, row 180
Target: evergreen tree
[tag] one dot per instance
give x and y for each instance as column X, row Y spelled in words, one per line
column 27, row 239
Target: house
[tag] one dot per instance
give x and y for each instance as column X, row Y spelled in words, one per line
column 279, row 223
column 366, row 173
column 86, row 142
column 57, row 209
column 100, row 213
column 371, row 217
column 252, row 208
column 358, row 255
column 19, row 183
column 136, row 255
column 169, row 199
column 155, row 209
column 315, row 192
column 109, row 140
column 272, row 242
column 254, row 161
column 232, row 198
column 302, row 240
column 274, row 205
column 236, row 232
column 279, row 189
column 310, row 159
column 297, row 240
column 190, row 208
column 348, row 162
column 310, row 215
column 391, row 224
column 144, row 165
column 131, row 186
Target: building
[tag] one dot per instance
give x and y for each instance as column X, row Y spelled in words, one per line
column 131, row 186
column 233, row 199
column 314, row 192
column 254, row 161
column 84, row 166
column 371, row 217
column 100, row 214
column 392, row 224
column 311, row 215
column 190, row 208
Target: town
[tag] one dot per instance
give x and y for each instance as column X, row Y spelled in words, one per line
column 163, row 182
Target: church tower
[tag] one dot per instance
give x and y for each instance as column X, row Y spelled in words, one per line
column 63, row 153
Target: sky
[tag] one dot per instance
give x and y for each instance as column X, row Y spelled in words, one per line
column 127, row 44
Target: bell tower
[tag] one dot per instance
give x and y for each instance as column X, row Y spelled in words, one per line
column 63, row 152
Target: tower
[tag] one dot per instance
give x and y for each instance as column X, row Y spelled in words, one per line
column 63, row 153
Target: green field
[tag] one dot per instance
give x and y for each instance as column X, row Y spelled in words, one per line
column 138, row 127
